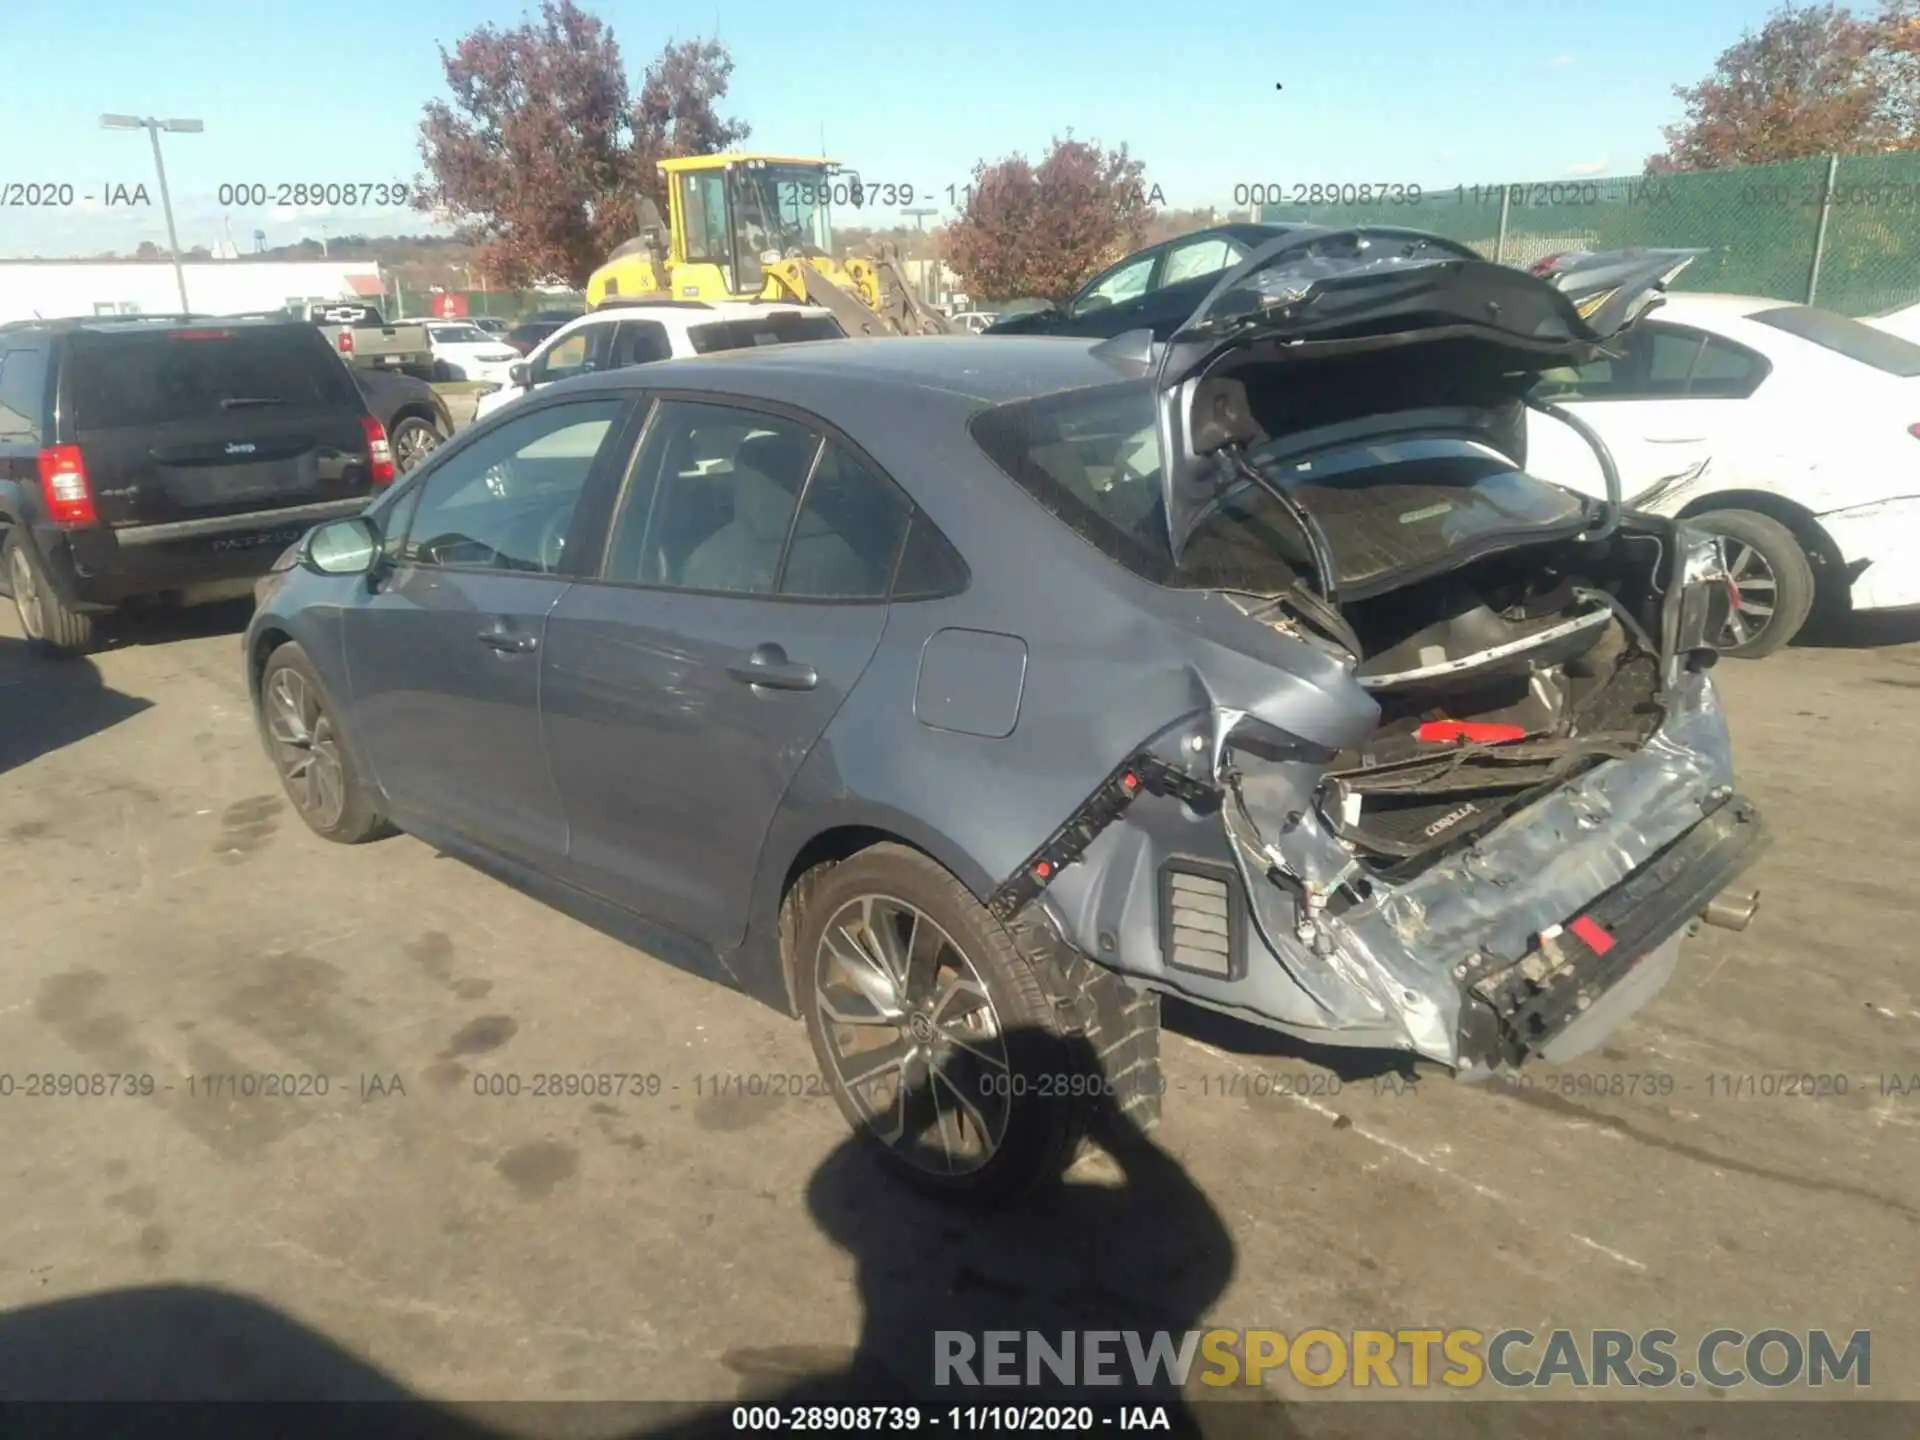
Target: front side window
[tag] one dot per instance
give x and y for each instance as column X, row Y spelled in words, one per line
column 580, row 353
column 507, row 502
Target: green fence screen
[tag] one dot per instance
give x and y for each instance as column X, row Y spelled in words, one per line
column 1842, row 232
column 506, row 304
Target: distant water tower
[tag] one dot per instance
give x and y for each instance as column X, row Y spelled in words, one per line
column 259, row 242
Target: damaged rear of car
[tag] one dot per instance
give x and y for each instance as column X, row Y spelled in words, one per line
column 1476, row 806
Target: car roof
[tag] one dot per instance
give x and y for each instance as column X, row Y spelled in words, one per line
column 981, row 369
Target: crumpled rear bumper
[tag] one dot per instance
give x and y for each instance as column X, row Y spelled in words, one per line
column 1470, row 962
column 1571, row 990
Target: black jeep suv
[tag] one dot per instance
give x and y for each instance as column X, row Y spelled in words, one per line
column 170, row 458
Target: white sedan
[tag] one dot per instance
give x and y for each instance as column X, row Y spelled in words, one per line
column 1790, row 432
column 463, row 351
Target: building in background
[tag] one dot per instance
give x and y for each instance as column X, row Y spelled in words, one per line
column 53, row 288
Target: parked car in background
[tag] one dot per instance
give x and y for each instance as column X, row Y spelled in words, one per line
column 168, row 459
column 525, row 336
column 973, row 320
column 637, row 332
column 1790, row 432
column 361, row 336
column 416, row 419
column 465, row 352
column 1159, row 287
column 962, row 695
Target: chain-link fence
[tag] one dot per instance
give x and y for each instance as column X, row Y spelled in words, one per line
column 1840, row 231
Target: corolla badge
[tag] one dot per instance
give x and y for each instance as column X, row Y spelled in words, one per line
column 240, row 447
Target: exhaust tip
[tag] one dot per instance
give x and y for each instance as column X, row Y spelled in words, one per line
column 1731, row 911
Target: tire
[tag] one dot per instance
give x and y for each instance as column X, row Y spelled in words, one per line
column 1061, row 1029
column 296, row 726
column 50, row 627
column 1777, row 573
column 412, row 441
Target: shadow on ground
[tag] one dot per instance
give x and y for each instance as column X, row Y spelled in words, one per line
column 46, row 705
column 1870, row 631
column 1129, row 1243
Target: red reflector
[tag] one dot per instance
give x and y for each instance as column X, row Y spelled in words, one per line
column 1130, row 782
column 1596, row 939
column 1914, row 430
column 200, row 334
column 379, row 452
column 63, row 485
column 1447, row 730
column 1043, row 869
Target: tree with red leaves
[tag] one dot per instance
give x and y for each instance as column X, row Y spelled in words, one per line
column 1042, row 230
column 1817, row 80
column 542, row 156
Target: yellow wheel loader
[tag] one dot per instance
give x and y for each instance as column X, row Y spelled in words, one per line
column 758, row 227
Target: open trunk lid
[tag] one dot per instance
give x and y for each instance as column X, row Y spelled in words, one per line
column 195, row 423
column 1378, row 305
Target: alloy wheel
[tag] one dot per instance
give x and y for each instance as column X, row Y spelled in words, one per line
column 414, row 443
column 306, row 748
column 26, row 594
column 913, row 1036
column 1753, row 587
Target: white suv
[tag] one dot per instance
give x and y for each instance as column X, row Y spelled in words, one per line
column 635, row 332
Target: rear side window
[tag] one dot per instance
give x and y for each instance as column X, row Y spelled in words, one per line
column 187, row 375
column 1886, row 353
column 1092, row 458
column 762, row 330
column 23, row 393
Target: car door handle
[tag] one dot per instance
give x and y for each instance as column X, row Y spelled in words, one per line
column 768, row 666
column 509, row 642
column 1676, row 439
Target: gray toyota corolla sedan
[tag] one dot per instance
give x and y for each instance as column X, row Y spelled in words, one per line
column 962, row 696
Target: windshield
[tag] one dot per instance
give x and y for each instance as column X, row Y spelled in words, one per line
column 1886, row 353
column 459, row 335
column 782, row 207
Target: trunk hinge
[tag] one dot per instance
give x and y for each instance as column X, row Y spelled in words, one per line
column 1068, row 843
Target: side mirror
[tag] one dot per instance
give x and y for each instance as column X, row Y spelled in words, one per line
column 343, row 547
column 520, row 374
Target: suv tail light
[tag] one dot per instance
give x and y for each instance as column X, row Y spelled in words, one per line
column 63, row 482
column 379, row 452
column 343, row 342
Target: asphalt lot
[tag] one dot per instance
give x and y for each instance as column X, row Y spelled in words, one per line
column 167, row 915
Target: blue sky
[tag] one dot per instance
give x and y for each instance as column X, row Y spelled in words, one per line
column 1395, row 91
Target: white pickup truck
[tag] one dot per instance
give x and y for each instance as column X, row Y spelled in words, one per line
column 363, row 337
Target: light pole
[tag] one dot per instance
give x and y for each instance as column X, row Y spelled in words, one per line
column 928, row 279
column 153, row 129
